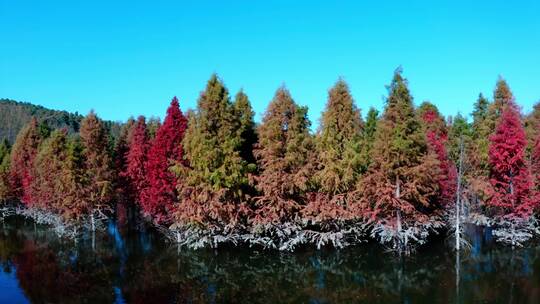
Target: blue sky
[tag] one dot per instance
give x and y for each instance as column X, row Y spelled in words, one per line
column 130, row 58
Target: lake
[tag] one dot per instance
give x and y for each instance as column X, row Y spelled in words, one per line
column 128, row 265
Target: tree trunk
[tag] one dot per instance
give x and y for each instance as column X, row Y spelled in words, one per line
column 399, row 244
column 92, row 221
column 458, row 196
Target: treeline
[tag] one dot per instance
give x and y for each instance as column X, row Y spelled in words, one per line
column 15, row 115
column 212, row 175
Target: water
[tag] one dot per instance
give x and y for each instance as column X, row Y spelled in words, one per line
column 129, row 266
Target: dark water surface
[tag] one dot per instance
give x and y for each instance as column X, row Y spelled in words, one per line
column 129, row 266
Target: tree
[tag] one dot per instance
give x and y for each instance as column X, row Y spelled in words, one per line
column 122, row 186
column 502, row 96
column 485, row 121
column 509, row 173
column 401, row 184
column 213, row 144
column 283, row 155
column 246, row 128
column 532, row 126
column 368, row 138
column 166, row 150
column 536, row 169
column 214, row 178
column 482, row 126
column 437, row 139
column 459, row 130
column 5, row 189
column 98, row 174
column 48, row 188
column 338, row 142
column 136, row 160
column 74, row 179
column 23, row 154
column 153, row 125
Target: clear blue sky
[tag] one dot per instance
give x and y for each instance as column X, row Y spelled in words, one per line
column 130, row 58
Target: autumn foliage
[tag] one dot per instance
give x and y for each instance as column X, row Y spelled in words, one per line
column 158, row 198
column 401, row 183
column 510, row 175
column 437, row 140
column 23, row 154
column 283, row 155
column 215, row 175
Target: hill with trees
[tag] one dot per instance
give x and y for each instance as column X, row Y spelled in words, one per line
column 15, row 115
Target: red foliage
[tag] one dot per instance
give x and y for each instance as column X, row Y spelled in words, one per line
column 325, row 209
column 165, row 151
column 509, row 174
column 136, row 159
column 437, row 138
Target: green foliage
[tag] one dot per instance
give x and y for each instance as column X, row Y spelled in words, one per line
column 403, row 175
column 399, row 140
column 48, row 182
column 459, row 129
column 4, row 171
column 246, row 128
column 213, row 143
column 482, row 127
column 15, row 115
column 532, row 127
column 338, row 141
column 368, row 138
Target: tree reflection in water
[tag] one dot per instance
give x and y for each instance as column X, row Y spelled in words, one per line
column 127, row 265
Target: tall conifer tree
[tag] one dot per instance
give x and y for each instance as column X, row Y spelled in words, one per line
column 136, row 160
column 339, row 142
column 246, row 128
column 509, row 171
column 121, row 148
column 165, row 151
column 283, row 155
column 437, row 140
column 48, row 184
column 368, row 138
column 5, row 189
column 23, row 154
column 98, row 174
column 213, row 142
column 402, row 180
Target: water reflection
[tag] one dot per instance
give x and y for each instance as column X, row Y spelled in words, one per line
column 125, row 265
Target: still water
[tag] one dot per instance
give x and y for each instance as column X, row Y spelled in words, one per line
column 133, row 266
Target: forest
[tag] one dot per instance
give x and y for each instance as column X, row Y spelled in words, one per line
column 211, row 175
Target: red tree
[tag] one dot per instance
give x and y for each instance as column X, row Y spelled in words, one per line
column 509, row 174
column 22, row 159
column 136, row 159
column 437, row 138
column 165, row 150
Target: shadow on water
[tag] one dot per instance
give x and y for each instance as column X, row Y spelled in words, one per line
column 125, row 265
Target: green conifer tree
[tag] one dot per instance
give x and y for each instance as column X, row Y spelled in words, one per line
column 401, row 183
column 368, row 138
column 339, row 142
column 213, row 143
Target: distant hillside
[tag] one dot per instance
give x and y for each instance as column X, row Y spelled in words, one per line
column 14, row 115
